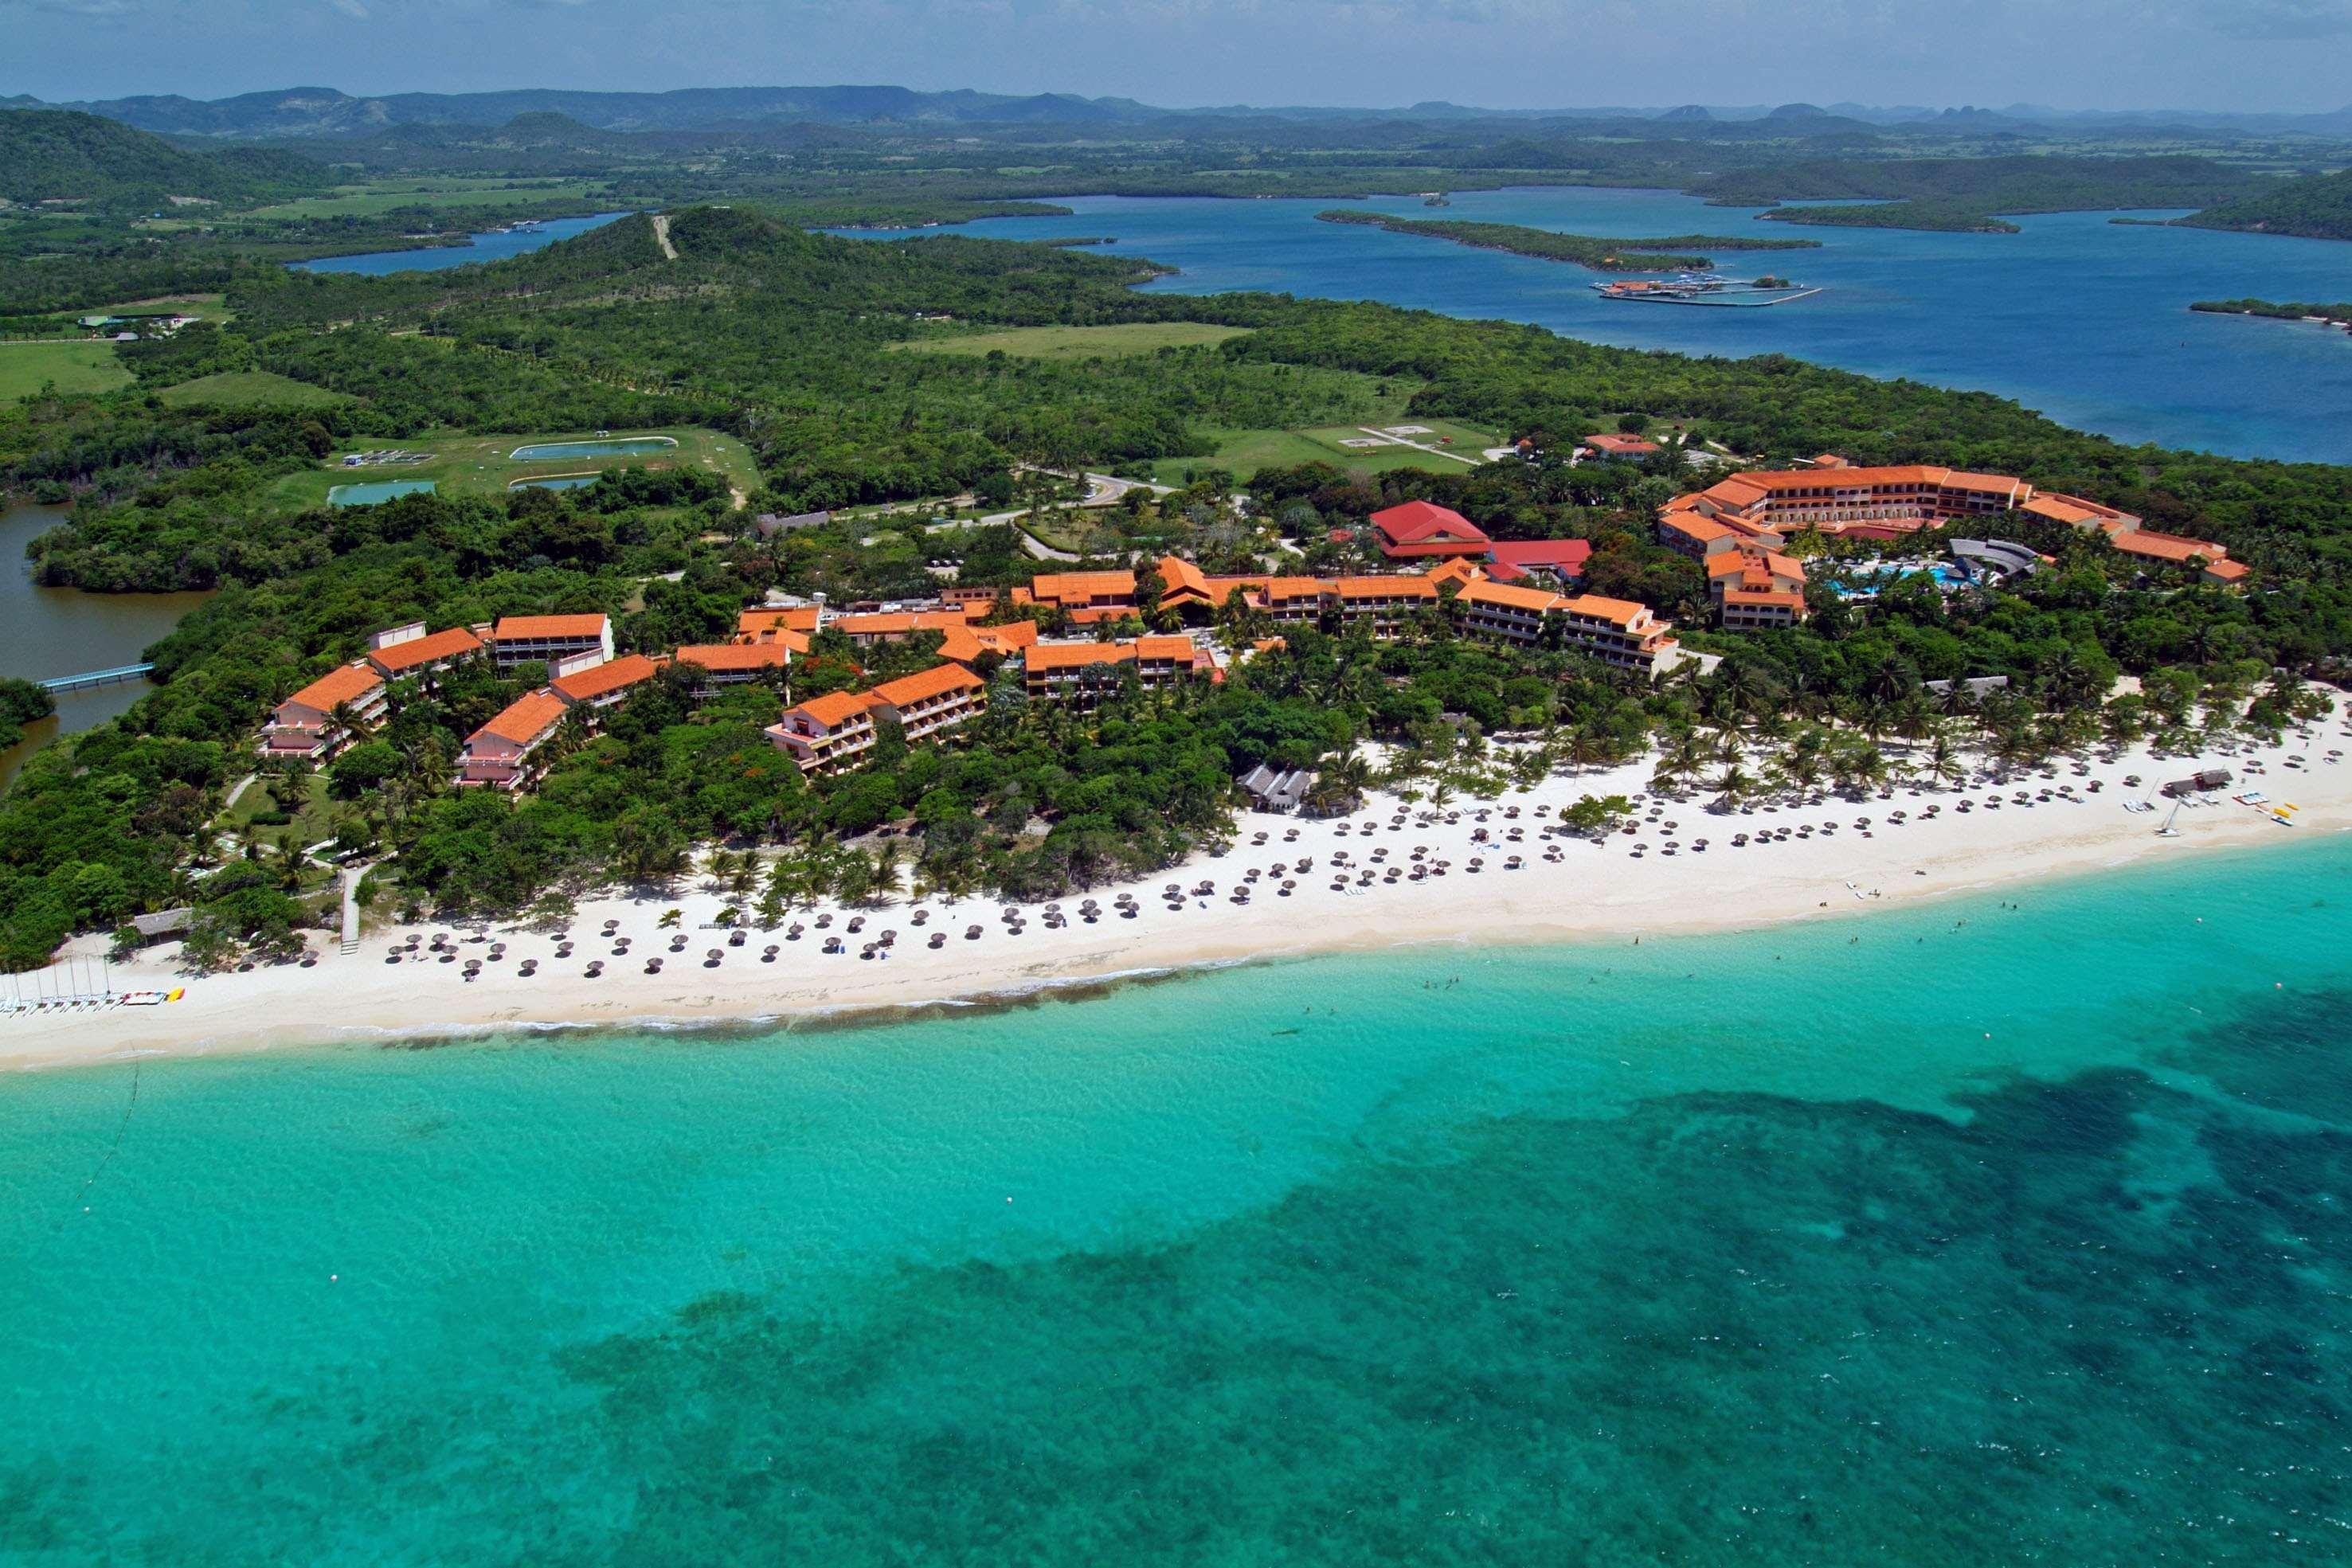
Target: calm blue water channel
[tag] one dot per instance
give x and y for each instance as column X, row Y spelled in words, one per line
column 2085, row 319
column 486, row 247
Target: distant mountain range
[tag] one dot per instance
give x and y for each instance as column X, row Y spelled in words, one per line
column 319, row 111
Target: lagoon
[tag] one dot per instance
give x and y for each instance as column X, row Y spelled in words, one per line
column 634, row 446
column 50, row 632
column 377, row 492
column 2082, row 318
column 495, row 247
column 1997, row 1229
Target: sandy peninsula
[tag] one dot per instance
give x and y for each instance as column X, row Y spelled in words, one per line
column 1827, row 856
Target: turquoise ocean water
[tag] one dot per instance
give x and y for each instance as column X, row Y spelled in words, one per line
column 1960, row 1233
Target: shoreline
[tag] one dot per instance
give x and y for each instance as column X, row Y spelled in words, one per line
column 1594, row 894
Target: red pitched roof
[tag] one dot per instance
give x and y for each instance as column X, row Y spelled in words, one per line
column 418, row 651
column 523, row 719
column 1421, row 528
column 349, row 683
column 937, row 681
column 515, row 628
column 833, row 709
column 741, row 655
column 602, row 680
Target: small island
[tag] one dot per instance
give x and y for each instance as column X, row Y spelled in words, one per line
column 2340, row 315
column 1584, row 250
column 1944, row 217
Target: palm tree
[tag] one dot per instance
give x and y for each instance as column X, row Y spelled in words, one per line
column 1731, row 787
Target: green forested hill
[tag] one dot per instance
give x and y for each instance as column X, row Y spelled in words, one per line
column 57, row 154
column 2317, row 206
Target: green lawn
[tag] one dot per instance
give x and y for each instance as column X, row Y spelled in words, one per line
column 243, row 389
column 74, row 366
column 315, row 820
column 1244, row 452
column 479, row 465
column 1077, row 342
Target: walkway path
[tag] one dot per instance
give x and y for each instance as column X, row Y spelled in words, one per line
column 1417, row 446
column 661, row 235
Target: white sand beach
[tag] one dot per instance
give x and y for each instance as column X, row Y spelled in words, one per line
column 1832, row 856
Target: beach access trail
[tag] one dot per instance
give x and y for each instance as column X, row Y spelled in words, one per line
column 1602, row 892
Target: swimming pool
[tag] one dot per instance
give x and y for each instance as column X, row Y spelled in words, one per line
column 633, row 447
column 569, row 482
column 383, row 490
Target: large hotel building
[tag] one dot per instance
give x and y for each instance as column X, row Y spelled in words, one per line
column 1761, row 508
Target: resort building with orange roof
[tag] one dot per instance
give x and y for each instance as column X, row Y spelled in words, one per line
column 1837, row 498
column 1615, row 630
column 779, row 624
column 1422, row 528
column 499, row 754
column 716, row 664
column 826, row 734
column 1085, row 596
column 307, row 724
column 548, row 639
column 863, row 631
column 965, row 644
column 1756, row 590
column 406, row 651
column 603, row 685
column 1084, row 673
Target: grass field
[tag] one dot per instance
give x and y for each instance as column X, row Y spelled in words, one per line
column 373, row 197
column 479, row 465
column 75, row 367
column 316, row 819
column 243, row 389
column 1077, row 342
column 1244, row 452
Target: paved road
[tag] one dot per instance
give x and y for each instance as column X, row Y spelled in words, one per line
column 1418, row 447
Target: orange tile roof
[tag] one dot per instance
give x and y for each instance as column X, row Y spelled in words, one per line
column 898, row 622
column 1785, row 599
column 1066, row 587
column 1406, row 587
column 1166, row 648
column 833, row 709
column 1700, row 529
column 1454, row 571
column 602, row 680
column 2166, row 547
column 1505, row 596
column 937, row 681
column 1076, row 655
column 791, row 618
column 1180, row 575
column 1285, row 590
column 348, row 684
column 739, row 656
column 1623, row 611
column 521, row 628
column 2228, row 570
column 524, row 719
column 408, row 655
column 1424, row 523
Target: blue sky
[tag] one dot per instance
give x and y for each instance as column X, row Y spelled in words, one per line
column 2283, row 55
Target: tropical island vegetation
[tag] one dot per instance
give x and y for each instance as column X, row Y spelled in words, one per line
column 795, row 363
column 1583, row 250
column 2288, row 312
column 2313, row 206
